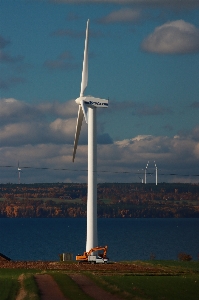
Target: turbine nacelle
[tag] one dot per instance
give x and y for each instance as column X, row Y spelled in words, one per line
column 91, row 101
column 95, row 102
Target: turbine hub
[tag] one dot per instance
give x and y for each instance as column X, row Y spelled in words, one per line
column 78, row 100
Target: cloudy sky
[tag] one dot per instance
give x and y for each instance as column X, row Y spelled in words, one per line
column 143, row 57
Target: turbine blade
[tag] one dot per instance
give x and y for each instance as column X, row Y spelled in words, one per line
column 84, row 110
column 78, row 129
column 85, row 65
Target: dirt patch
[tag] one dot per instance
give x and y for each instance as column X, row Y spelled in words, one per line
column 75, row 267
column 137, row 268
column 22, row 293
column 90, row 288
column 48, row 288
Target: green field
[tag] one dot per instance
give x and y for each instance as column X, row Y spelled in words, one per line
column 68, row 287
column 10, row 284
column 180, row 281
column 151, row 287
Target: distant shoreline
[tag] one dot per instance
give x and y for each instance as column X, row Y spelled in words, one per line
column 115, row 200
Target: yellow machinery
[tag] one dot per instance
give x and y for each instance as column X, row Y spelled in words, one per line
column 89, row 257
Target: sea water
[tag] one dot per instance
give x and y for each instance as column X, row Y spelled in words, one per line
column 127, row 239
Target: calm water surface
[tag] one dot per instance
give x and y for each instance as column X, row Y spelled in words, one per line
column 127, row 239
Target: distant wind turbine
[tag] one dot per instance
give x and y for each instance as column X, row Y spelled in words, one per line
column 145, row 172
column 140, row 177
column 156, row 173
column 19, row 173
column 87, row 109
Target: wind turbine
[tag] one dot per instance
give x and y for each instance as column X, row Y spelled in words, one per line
column 142, row 180
column 145, row 171
column 19, row 173
column 87, row 109
column 156, row 173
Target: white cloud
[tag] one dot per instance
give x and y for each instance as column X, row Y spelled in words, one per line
column 123, row 15
column 57, row 132
column 48, row 142
column 176, row 37
column 172, row 155
column 67, row 109
column 12, row 110
column 146, row 144
column 65, row 130
column 116, row 162
column 24, row 133
column 127, row 142
column 22, row 123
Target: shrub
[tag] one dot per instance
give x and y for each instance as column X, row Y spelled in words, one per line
column 184, row 257
column 152, row 256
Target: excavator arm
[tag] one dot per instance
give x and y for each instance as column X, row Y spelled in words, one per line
column 98, row 249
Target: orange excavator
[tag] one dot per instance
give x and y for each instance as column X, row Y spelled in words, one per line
column 91, row 257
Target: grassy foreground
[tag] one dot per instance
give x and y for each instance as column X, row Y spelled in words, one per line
column 9, row 284
column 152, row 287
column 11, row 280
column 180, row 280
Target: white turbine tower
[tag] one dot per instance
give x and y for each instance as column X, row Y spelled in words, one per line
column 87, row 108
column 19, row 173
column 156, row 173
column 142, row 180
column 145, row 171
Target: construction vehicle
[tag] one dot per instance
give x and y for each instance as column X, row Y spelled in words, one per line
column 91, row 257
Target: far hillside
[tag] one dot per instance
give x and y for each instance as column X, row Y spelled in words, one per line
column 176, row 200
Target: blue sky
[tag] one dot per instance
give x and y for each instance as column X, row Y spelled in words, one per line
column 143, row 56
